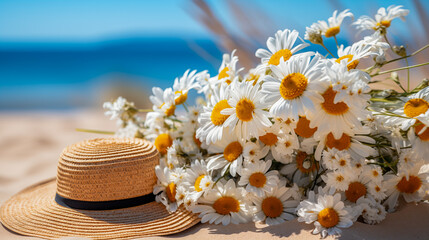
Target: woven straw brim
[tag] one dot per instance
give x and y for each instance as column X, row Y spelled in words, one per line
column 34, row 212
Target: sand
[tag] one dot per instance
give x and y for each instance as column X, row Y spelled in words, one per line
column 31, row 142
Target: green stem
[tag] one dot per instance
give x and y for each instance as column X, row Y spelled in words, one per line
column 408, row 76
column 323, row 45
column 184, row 106
column 387, row 40
column 94, row 131
column 336, row 41
column 398, row 69
column 412, row 54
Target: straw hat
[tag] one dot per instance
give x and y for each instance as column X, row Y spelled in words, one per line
column 103, row 190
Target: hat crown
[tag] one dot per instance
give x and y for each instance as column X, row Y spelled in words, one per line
column 107, row 169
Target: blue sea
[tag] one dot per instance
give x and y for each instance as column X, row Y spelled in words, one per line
column 71, row 75
column 58, row 76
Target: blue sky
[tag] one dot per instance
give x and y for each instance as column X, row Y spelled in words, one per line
column 90, row 20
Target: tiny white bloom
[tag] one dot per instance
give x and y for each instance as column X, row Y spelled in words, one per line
column 225, row 204
column 258, row 179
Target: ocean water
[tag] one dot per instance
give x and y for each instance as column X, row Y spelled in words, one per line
column 63, row 76
column 56, row 76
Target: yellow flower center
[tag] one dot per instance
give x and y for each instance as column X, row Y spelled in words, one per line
column 328, row 218
column 303, row 128
column 293, row 86
column 254, row 78
column 244, row 109
column 180, row 99
column 275, row 58
column 163, row 142
column 305, row 165
column 269, row 139
column 232, row 151
column 424, row 136
column 216, row 117
column 340, row 178
column 196, row 140
column 226, row 205
column 223, row 73
column 170, row 190
column 355, row 191
column 343, row 162
column 272, row 207
column 377, row 189
column 170, row 110
column 383, row 23
column 415, row 107
column 332, row 31
column 197, row 183
column 329, row 106
column 349, row 57
column 257, row 179
column 409, row 186
column 341, row 144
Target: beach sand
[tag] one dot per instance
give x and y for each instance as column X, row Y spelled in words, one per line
column 30, row 144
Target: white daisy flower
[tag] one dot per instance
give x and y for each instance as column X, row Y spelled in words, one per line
column 352, row 54
column 332, row 27
column 129, row 131
column 328, row 214
column 378, row 46
column 372, row 211
column 276, row 206
column 415, row 105
column 229, row 154
column 211, row 119
column 338, row 179
column 351, row 143
column 359, row 184
column 254, row 76
column 247, row 116
column 376, row 190
column 228, row 69
column 182, row 86
column 287, row 125
column 258, row 179
column 174, row 152
column 382, row 20
column 314, row 34
column 253, row 152
column 198, row 179
column 166, row 188
column 190, row 143
column 269, row 140
column 292, row 89
column 419, row 139
column 224, row 204
column 301, row 170
column 155, row 125
column 373, row 172
column 334, row 108
column 412, row 184
column 115, row 109
column 335, row 159
column 286, row 146
column 280, row 47
column 163, row 101
column 206, row 84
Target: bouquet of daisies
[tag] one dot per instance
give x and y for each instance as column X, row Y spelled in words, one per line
column 302, row 135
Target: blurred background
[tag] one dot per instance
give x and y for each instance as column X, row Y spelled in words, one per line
column 62, row 55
